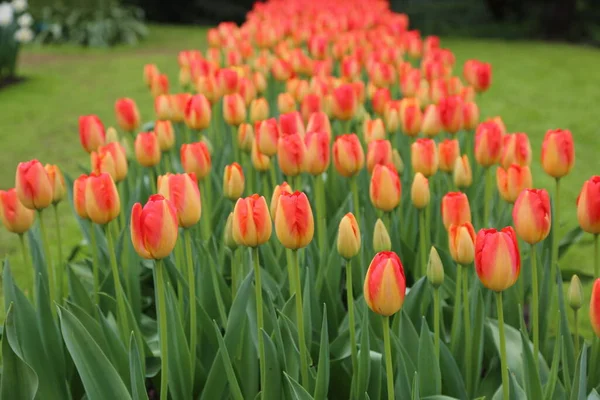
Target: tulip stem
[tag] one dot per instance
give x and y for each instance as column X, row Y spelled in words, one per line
column 187, row 233
column 121, row 310
column 388, row 357
column 321, row 226
column 219, row 298
column 161, row 306
column 487, row 198
column 535, row 306
column 260, row 318
column 351, row 323
column 59, row 270
column 436, row 320
column 206, row 203
column 456, row 314
column 467, row 321
column 300, row 321
column 121, row 190
column 26, row 262
column 422, row 240
column 152, row 176
column 554, row 255
column 49, row 263
column 503, row 361
column 273, row 173
column 576, row 332
column 596, row 256
column 354, row 185
column 95, row 264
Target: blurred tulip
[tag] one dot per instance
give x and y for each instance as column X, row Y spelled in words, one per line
column 345, row 102
column 448, row 151
column 57, row 180
column 294, row 223
column 267, row 136
column 385, row 284
column 461, row 241
column 378, row 152
column 165, row 135
column 462, row 175
column 379, row 100
column 512, row 181
column 147, row 149
column 15, row 217
column 247, row 90
column 595, row 307
column 373, row 129
column 470, row 115
column 558, row 153
column 182, row 191
column 128, row 116
column 259, row 82
column 285, row 103
column 102, row 201
column 197, row 113
column 419, row 192
column 234, row 109
column 233, row 181
column 488, row 144
column 179, row 103
column 391, row 116
column 424, row 157
column 497, row 258
column 515, row 150
column 260, row 162
column 281, row 70
column 531, row 215
column 498, row 121
column 150, row 73
column 317, row 152
column 431, row 125
column 159, row 85
column 410, row 117
column 79, row 186
column 455, row 209
column 195, row 158
column 291, row 155
column 91, row 132
column 154, row 228
column 33, row 185
column 228, row 79
column 112, row 135
column 311, row 103
column 163, row 107
column 209, row 87
column 103, row 161
column 348, row 240
column 259, row 110
column 478, row 74
column 451, row 113
column 385, row 189
column 348, row 155
column 291, row 124
column 319, row 122
column 409, row 84
column 588, row 206
column 245, row 137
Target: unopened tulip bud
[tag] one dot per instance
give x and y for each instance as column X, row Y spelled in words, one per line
column 595, row 307
column 455, row 209
column 448, row 151
column 373, row 129
column 419, row 192
column 462, row 175
column 558, row 153
column 385, row 284
column 575, row 293
column 470, row 115
column 147, row 149
column 57, row 180
column 588, row 206
column 159, row 85
column 381, row 237
column 245, row 137
column 531, row 215
column 294, row 223
column 488, row 144
column 431, row 125
column 385, row 189
column 285, row 103
column 451, row 113
column 165, row 135
column 33, row 185
column 311, row 103
column 348, row 241
column 259, row 110
column 380, row 98
column 391, row 116
column 15, row 217
column 461, row 241
column 345, row 102
column 195, row 158
column 397, row 161
column 150, row 72
column 102, row 201
column 197, row 112
column 513, row 181
column 267, row 136
column 259, row 82
column 91, row 132
column 228, row 79
column 378, row 152
column 182, row 191
column 102, row 161
column 164, row 107
column 435, row 269
column 279, row 189
column 319, row 122
column 291, row 155
column 348, row 155
column 154, row 228
column 260, row 162
column 234, row 109
column 79, row 186
column 128, row 116
column 317, row 152
column 233, row 181
column 424, row 157
column 228, row 233
column 252, row 224
column 291, row 124
column 515, row 150
column 112, row 135
column 497, row 258
column 410, row 117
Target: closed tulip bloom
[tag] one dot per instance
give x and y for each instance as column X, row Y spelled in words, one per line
column 381, row 237
column 432, row 124
column 228, row 233
column 317, row 152
column 558, row 152
column 449, row 151
column 385, row 189
column 233, row 181
column 488, row 144
column 247, row 90
column 482, row 77
column 424, row 157
column 259, row 110
column 228, row 80
column 379, row 152
column 291, row 124
column 319, row 122
column 154, row 228
column 91, row 132
column 498, row 121
column 462, row 175
column 245, row 137
column 470, row 115
column 285, row 103
column 291, row 155
column 57, row 180
column 588, row 205
column 461, row 241
column 512, row 181
column 252, row 224
column 294, row 223
column 311, row 103
column 179, row 101
column 112, row 135
column 163, row 107
column 595, row 307
column 159, row 85
column 345, row 102
column 165, row 135
column 515, row 150
column 267, row 136
column 15, row 217
column 531, row 215
column 419, row 192
column 259, row 82
column 380, row 98
column 391, row 116
column 150, row 72
column 182, row 191
column 497, row 258
column 147, row 149
column 260, row 161
column 410, row 119
column 102, row 201
column 128, row 115
column 348, row 240
column 79, row 186
column 385, row 284
column 451, row 113
column 197, row 112
column 348, row 155
column 410, row 83
column 455, row 209
column 33, row 185
column 373, row 129
column 234, row 109
column 279, row 189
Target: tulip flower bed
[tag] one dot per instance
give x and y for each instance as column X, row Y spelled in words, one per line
column 319, row 214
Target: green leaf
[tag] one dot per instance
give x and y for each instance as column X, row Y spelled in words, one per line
column 234, row 386
column 19, row 380
column 180, row 385
column 272, row 389
column 533, row 386
column 78, row 293
column 452, row 380
column 409, row 337
column 364, row 364
column 138, row 387
column 553, row 376
column 477, row 338
column 298, row 392
column 571, row 238
column 578, row 391
column 322, row 383
column 100, row 379
column 418, row 301
column 430, row 377
column 594, row 395
column 415, row 387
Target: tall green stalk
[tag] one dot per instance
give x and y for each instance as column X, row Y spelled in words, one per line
column 351, row 323
column 436, row 320
column 300, row 320
column 355, row 204
column 321, row 228
column 535, row 312
column 467, row 322
column 423, row 245
column 153, row 178
column 121, row 310
column 554, row 254
column 576, row 332
column 187, row 233
column 489, row 185
column 95, row 264
column 388, row 357
column 456, row 313
column 49, row 263
column 161, row 306
column 503, row 361
column 59, row 269
column 260, row 318
column 206, row 195
column 26, row 263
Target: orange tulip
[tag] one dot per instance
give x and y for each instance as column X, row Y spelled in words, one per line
column 260, row 162
column 233, row 181
column 558, row 153
column 164, row 134
column 291, row 154
column 79, row 186
column 245, row 137
column 424, row 157
column 385, row 284
column 91, row 132
column 179, row 102
column 197, row 112
column 498, row 121
column 410, row 82
column 379, row 152
column 385, row 189
column 159, row 85
column 461, row 241
column 348, row 240
column 348, row 155
column 150, row 73
column 195, row 158
column 512, row 181
column 57, row 180
column 380, row 98
column 209, row 87
column 531, row 215
column 164, row 107
column 311, row 103
column 228, row 79
column 317, row 152
column 15, row 217
column 281, row 70
column 478, row 74
column 33, row 185
column 111, row 159
column 247, row 90
column 147, row 149
column 595, row 307
column 267, row 136
column 515, row 150
column 154, row 228
column 319, row 122
column 410, row 117
column 470, row 115
column 588, row 205
column 419, row 192
column 373, row 129
column 102, row 201
column 455, row 209
column 448, row 151
column 462, row 175
column 182, row 191
column 294, row 223
column 345, row 102
column 488, row 144
column 259, row 110
column 451, row 113
column 259, row 82
column 252, row 224
column 279, row 189
column 391, row 116
column 128, row 115
column 497, row 258
column 431, row 125
column 234, row 109
column 285, row 103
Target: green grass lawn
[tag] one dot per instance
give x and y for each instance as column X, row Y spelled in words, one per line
column 536, row 86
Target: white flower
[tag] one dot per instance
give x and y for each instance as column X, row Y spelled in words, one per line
column 19, row 5
column 25, row 20
column 24, row 35
column 6, row 14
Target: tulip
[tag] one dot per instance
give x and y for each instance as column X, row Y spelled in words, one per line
column 285, row 103
column 267, row 136
column 79, row 186
column 195, row 158
column 391, row 116
column 588, row 207
column 147, row 149
column 154, row 228
column 462, row 175
column 558, row 153
column 575, row 294
column 419, row 192
column 345, row 102
column 291, row 124
column 259, row 110
column 234, row 109
column 481, row 77
column 150, row 72
column 435, row 276
column 209, row 87
column 381, row 237
column 531, row 215
column 348, row 241
column 179, row 102
column 497, row 258
column 251, row 221
column 409, row 84
column 319, row 122
column 233, row 181
column 57, row 180
column 431, row 125
column 259, row 82
column 228, row 240
column 247, row 90
column 595, row 308
column 348, row 155
column 281, row 70
column 498, row 121
column 378, row 152
column 380, row 98
column 159, row 85
column 448, row 151
column 317, row 152
column 470, row 115
column 128, row 116
column 33, row 185
column 260, row 162
column 385, row 189
column 15, row 217
column 385, row 284
column 515, row 150
column 291, row 155
column 461, row 241
column 102, row 201
column 279, row 189
column 373, row 129
column 182, row 191
column 294, row 224
column 111, row 135
column 164, row 107
column 165, row 135
column 197, row 113
column 512, row 181
column 455, row 209
column 410, row 118
column 451, row 113
column 228, row 79
column 91, row 132
column 424, row 157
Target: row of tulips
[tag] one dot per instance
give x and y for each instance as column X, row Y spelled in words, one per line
column 162, row 306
